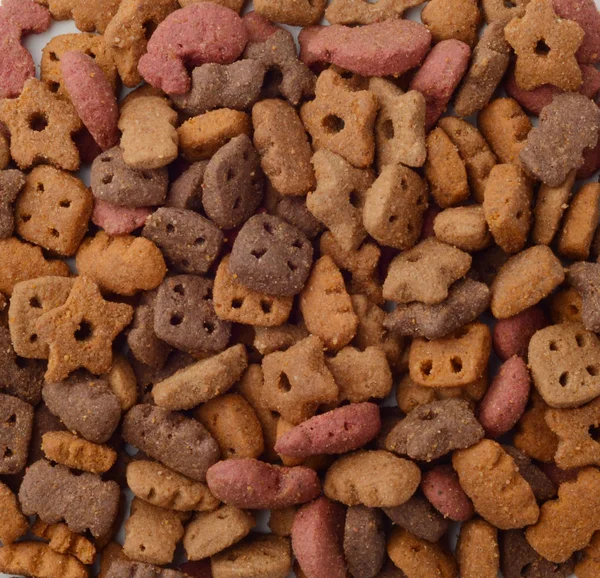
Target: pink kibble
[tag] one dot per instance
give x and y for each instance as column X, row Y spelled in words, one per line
column 511, row 336
column 92, row 96
column 442, row 488
column 17, row 18
column 194, row 35
column 258, row 27
column 440, row 75
column 117, row 220
column 586, row 14
column 385, row 48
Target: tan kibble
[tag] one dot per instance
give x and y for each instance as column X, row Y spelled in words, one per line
column 580, row 223
column 425, row 273
column 341, row 119
column 454, row 361
column 361, row 12
column 524, row 280
column 550, row 205
column 281, row 141
column 400, row 126
column 123, row 382
column 494, row 10
column 394, row 207
column 210, row 533
column 339, row 197
column 280, row 521
column 232, row 422
column 13, row 524
column 474, row 150
column 160, row 486
column 269, row 339
column 292, row 12
column 38, row 559
column 202, row 136
column 452, row 19
column 4, row 150
column 533, row 437
column 361, row 375
column 565, row 305
column 507, row 206
column 589, row 564
column 326, row 306
column 445, row 170
column 463, row 227
column 74, row 452
column 63, row 541
column 492, row 480
column 477, row 550
column 505, row 126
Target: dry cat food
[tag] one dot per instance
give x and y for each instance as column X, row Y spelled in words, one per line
column 212, row 319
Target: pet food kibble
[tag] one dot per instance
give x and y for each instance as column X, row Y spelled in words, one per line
column 446, row 19
column 585, row 279
column 41, row 128
column 271, row 256
column 63, row 541
column 123, row 567
column 13, row 524
column 511, row 335
column 39, row 560
column 212, row 532
column 564, row 361
column 65, row 448
column 394, row 207
column 589, row 563
column 545, row 46
column 184, row 315
column 524, row 280
column 505, row 127
column 181, row 443
column 341, row 119
column 161, row 486
column 453, row 361
column 435, row 429
column 339, row 198
column 416, row 557
column 507, row 206
column 400, row 125
column 491, row 479
column 391, row 47
column 467, row 299
column 88, row 18
column 568, row 523
column 117, row 220
column 202, row 136
column 16, row 422
column 419, row 517
column 477, row 551
column 580, row 223
column 251, row 484
column 11, row 184
column 425, row 273
column 84, row 502
column 349, row 480
column 4, row 148
column 326, row 306
column 506, row 398
column 186, row 190
column 149, row 139
column 81, row 331
column 441, row 487
column 440, row 75
column 543, row 487
column 445, row 170
column 585, row 13
column 359, row 12
column 463, row 227
column 364, row 541
column 550, row 205
column 189, row 242
column 490, row 61
column 123, row 382
column 292, row 12
column 533, row 437
column 85, row 405
column 16, row 20
column 124, row 265
column 474, row 150
column 233, row 183
column 276, row 127
column 114, row 181
column 231, row 420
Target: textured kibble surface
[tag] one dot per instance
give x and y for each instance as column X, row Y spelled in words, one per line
column 299, row 288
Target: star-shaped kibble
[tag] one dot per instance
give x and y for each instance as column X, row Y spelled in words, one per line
column 11, row 183
column 41, row 126
column 80, row 332
column 545, row 46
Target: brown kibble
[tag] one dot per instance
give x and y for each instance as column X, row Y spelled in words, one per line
column 524, row 280
column 580, row 223
column 445, row 170
column 477, row 550
column 507, row 207
column 63, row 541
column 326, row 306
column 589, row 564
column 533, row 437
column 394, row 207
column 491, row 479
column 360, row 12
column 292, row 12
column 123, row 382
column 38, row 559
column 452, row 19
column 585, row 279
column 202, row 136
column 13, row 524
column 463, row 227
column 566, row 305
column 66, row 448
column 498, row 10
column 341, row 119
